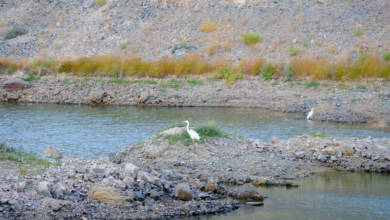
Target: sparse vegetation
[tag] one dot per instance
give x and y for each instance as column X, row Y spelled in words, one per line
column 229, row 75
column 293, row 51
column 358, row 32
column 21, row 157
column 172, row 83
column 386, row 57
column 305, row 43
column 268, row 72
column 194, row 82
column 251, row 38
column 119, row 80
column 313, row 84
column 208, row 26
column 121, row 67
column 31, row 78
column 15, row 32
column 315, row 134
column 361, row 87
column 100, row 2
column 144, row 81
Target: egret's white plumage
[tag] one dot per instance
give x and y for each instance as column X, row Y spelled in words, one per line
column 310, row 114
column 192, row 133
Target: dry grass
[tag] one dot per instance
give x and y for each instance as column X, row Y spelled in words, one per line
column 208, row 26
column 118, row 67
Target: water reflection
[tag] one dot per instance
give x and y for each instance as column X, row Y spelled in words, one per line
column 324, row 196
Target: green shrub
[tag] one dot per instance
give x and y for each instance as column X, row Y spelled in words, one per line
column 210, row 129
column 386, row 57
column 268, row 72
column 250, row 38
column 229, row 75
column 14, row 32
column 315, row 134
column 305, row 43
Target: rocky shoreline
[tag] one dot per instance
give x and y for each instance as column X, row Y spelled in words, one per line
column 364, row 102
column 156, row 179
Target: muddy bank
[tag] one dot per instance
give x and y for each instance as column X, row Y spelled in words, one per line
column 364, row 102
column 157, row 179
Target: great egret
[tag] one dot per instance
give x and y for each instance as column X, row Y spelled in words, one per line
column 310, row 114
column 192, row 133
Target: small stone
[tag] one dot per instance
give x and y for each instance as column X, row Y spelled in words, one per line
column 43, row 189
column 210, row 186
column 322, row 158
column 346, row 151
column 147, row 177
column 329, row 151
column 21, row 186
column 59, row 190
column 52, row 152
column 183, row 192
column 131, row 169
column 255, row 203
column 333, row 158
column 300, row 154
column 154, row 195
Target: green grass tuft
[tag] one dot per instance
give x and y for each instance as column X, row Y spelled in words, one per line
column 100, row 2
column 251, row 38
column 293, row 51
column 313, row 84
column 172, row 83
column 315, row 134
column 193, row 82
column 361, row 87
column 31, row 78
column 144, row 81
column 119, row 80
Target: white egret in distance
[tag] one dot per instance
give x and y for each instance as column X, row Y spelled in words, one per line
column 192, row 133
column 310, row 114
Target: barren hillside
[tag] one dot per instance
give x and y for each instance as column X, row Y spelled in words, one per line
column 213, row 28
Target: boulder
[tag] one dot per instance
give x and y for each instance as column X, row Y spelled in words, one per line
column 322, row 158
column 16, row 84
column 346, row 150
column 247, row 192
column 52, row 152
column 183, row 192
column 210, row 186
column 106, row 194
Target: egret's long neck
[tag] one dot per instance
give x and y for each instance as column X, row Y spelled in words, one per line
column 188, row 124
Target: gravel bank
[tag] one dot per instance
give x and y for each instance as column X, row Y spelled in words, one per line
column 361, row 102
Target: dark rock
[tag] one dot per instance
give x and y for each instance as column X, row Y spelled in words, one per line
column 16, row 84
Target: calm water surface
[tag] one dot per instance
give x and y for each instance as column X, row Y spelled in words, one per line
column 88, row 131
column 332, row 196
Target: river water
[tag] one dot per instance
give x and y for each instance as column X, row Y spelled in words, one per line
column 88, row 131
column 327, row 196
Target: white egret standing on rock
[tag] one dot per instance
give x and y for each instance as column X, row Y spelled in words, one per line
column 310, row 114
column 192, row 133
